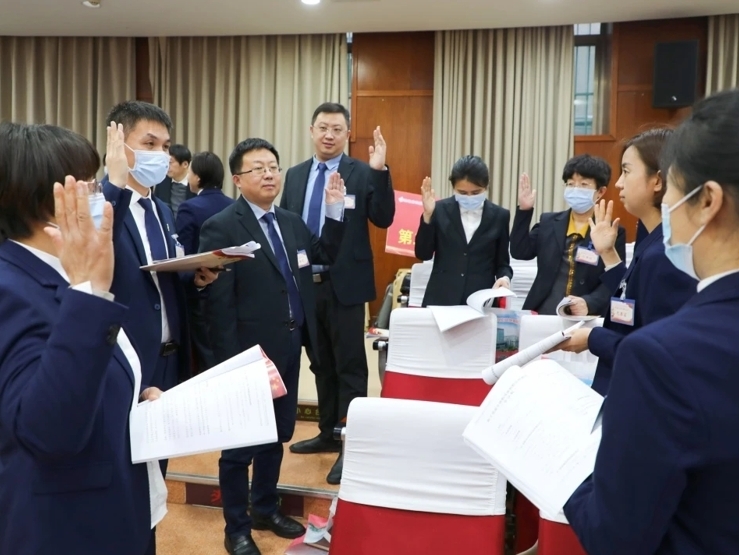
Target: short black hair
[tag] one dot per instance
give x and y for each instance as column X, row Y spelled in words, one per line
column 32, row 159
column 248, row 145
column 130, row 112
column 590, row 167
column 180, row 153
column 209, row 168
column 705, row 147
column 332, row 108
column 472, row 169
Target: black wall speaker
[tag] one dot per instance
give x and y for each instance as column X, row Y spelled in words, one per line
column 675, row 83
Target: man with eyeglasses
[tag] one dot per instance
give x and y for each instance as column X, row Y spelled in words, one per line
column 267, row 301
column 339, row 360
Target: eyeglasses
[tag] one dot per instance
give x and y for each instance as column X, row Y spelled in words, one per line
column 338, row 131
column 94, row 186
column 275, row 170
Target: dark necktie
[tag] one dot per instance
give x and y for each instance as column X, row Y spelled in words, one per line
column 316, row 201
column 296, row 305
column 159, row 252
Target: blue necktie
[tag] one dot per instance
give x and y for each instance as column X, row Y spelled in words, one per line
column 316, row 201
column 296, row 305
column 159, row 252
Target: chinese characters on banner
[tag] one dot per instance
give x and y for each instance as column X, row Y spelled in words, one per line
column 401, row 235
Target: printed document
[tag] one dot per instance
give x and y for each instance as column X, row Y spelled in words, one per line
column 538, row 427
column 212, row 259
column 233, row 409
column 478, row 305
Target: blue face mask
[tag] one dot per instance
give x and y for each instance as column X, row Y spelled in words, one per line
column 681, row 256
column 150, row 167
column 97, row 204
column 579, row 199
column 470, row 202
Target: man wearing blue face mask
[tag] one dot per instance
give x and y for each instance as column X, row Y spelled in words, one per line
column 157, row 313
column 567, row 264
column 466, row 235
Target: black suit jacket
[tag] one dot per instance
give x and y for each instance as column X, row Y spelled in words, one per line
column 248, row 305
column 546, row 243
column 353, row 273
column 163, row 192
column 460, row 268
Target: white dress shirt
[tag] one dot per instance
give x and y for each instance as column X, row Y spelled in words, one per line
column 157, row 485
column 702, row 284
column 139, row 215
column 470, row 221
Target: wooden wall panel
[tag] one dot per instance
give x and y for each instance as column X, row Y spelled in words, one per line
column 143, row 83
column 631, row 108
column 393, row 88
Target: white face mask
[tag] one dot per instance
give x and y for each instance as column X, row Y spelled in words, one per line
column 150, row 167
column 681, row 256
column 470, row 202
column 97, row 205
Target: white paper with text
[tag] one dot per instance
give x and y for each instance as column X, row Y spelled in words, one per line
column 231, row 410
column 537, row 427
column 448, row 317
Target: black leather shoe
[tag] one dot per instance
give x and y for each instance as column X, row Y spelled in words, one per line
column 241, row 545
column 282, row 526
column 316, row 445
column 334, row 475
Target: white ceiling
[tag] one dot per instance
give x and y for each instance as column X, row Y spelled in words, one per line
column 260, row 17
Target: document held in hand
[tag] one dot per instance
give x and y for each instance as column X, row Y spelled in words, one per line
column 562, row 312
column 538, row 427
column 212, row 259
column 227, row 410
column 448, row 317
column 521, row 358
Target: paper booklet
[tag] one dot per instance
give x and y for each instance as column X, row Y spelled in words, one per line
column 492, row 374
column 478, row 305
column 212, row 259
column 225, row 407
column 539, row 426
column 561, row 312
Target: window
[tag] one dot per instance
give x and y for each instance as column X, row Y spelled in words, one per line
column 592, row 77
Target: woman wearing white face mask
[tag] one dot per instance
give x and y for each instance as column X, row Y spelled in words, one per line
column 651, row 288
column 466, row 235
column 567, row 264
column 666, row 478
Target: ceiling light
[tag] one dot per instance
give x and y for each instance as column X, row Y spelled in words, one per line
column 91, row 3
column 311, row 2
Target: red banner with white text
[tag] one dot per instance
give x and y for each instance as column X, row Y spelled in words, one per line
column 401, row 235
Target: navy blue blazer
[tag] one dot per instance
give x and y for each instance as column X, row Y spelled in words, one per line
column 192, row 214
column 136, row 289
column 666, row 478
column 658, row 289
column 67, row 484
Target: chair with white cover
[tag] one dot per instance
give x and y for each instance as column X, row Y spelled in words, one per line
column 556, row 537
column 554, row 534
column 412, row 486
column 426, row 364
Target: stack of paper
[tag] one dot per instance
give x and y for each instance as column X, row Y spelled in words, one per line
column 226, row 407
column 539, row 426
column 420, row 275
column 212, row 259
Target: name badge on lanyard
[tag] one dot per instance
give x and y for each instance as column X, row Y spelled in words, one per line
column 587, row 255
column 623, row 310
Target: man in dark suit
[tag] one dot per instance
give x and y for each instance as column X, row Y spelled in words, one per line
column 339, row 359
column 567, row 264
column 174, row 189
column 267, row 301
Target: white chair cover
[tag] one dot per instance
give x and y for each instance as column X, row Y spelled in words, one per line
column 410, row 455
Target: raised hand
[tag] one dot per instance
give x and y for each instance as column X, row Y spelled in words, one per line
column 115, row 156
column 429, row 199
column 335, row 190
column 603, row 229
column 378, row 152
column 86, row 253
column 526, row 196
